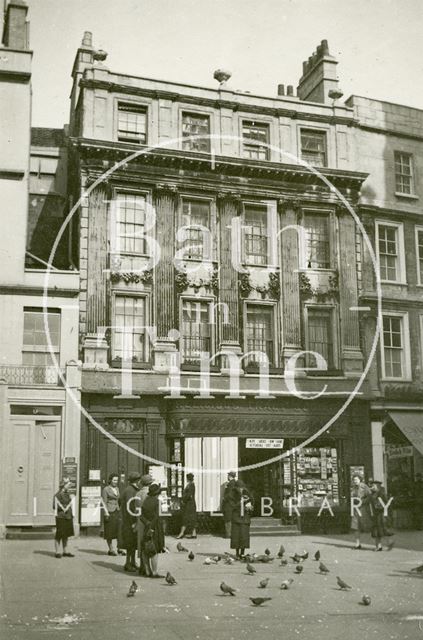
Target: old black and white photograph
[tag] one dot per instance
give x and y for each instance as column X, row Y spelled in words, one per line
column 211, row 319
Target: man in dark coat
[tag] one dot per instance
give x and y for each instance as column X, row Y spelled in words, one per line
column 130, row 513
column 228, row 502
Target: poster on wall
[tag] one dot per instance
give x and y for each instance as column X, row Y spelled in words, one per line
column 70, row 470
column 159, row 474
column 90, row 506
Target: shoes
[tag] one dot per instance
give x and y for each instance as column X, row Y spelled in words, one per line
column 357, row 547
column 158, row 575
column 129, row 568
column 58, row 555
column 191, row 537
column 111, row 553
column 68, row 555
column 179, row 537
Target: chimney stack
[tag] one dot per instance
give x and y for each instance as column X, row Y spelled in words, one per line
column 281, row 89
column 84, row 59
column 319, row 76
column 16, row 27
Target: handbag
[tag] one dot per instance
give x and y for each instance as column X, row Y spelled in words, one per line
column 149, row 546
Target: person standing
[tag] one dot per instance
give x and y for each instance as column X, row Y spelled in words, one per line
column 146, row 482
column 228, row 502
column 418, row 501
column 62, row 505
column 381, row 521
column 189, row 509
column 130, row 512
column 241, row 520
column 111, row 516
column 360, row 519
column 153, row 540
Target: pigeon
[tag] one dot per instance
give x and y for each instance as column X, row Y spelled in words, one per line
column 418, row 569
column 170, row 579
column 298, row 568
column 323, row 568
column 216, row 559
column 304, row 555
column 132, row 589
column 267, row 552
column 258, row 601
column 250, row 569
column 287, row 583
column 366, row 600
column 229, row 560
column 206, row 561
column 227, row 589
column 317, row 555
column 341, row 584
column 296, row 558
column 181, row 547
column 263, row 583
column 281, row 551
column 284, row 562
column 191, row 556
column 264, row 558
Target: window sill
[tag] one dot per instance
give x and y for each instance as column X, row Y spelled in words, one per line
column 185, row 366
column 394, row 283
column 406, row 379
column 409, row 196
column 326, row 373
column 117, row 364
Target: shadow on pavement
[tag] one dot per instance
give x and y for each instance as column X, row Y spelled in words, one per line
column 114, row 567
column 40, row 552
column 95, row 552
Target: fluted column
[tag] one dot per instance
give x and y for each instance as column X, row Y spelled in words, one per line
column 290, row 262
column 352, row 356
column 228, row 208
column 165, row 201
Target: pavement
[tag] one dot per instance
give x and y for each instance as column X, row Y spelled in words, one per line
column 42, row 597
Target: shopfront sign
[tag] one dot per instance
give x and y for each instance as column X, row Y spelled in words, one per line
column 264, row 443
column 399, row 452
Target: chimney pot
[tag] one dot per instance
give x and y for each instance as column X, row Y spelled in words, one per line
column 281, row 89
column 87, row 40
column 290, row 90
column 325, row 47
column 304, row 67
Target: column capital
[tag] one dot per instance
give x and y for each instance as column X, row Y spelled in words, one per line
column 165, row 189
column 289, row 203
column 228, row 196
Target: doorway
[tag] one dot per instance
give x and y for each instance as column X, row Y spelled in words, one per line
column 262, row 480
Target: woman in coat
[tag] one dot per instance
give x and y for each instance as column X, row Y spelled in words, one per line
column 111, row 518
column 361, row 519
column 381, row 523
column 153, row 541
column 62, row 505
column 130, row 511
column 241, row 519
column 189, row 509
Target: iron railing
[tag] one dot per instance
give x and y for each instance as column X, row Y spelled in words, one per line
column 25, row 375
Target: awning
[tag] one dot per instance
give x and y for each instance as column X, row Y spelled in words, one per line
column 411, row 424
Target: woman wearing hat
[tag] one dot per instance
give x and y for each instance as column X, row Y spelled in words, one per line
column 381, row 522
column 153, row 540
column 189, row 509
column 62, row 505
column 111, row 520
column 130, row 512
column 241, row 519
column 361, row 519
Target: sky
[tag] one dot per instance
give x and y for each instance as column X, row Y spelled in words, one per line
column 262, row 42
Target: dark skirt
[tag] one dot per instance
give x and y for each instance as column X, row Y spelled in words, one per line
column 189, row 515
column 382, row 526
column 240, row 536
column 111, row 526
column 157, row 537
column 64, row 529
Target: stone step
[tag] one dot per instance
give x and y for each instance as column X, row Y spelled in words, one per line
column 29, row 533
column 275, row 533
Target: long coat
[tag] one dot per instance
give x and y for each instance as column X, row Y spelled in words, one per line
column 111, row 517
column 150, row 516
column 361, row 522
column 189, row 506
column 228, row 500
column 381, row 524
column 129, row 507
column 241, row 520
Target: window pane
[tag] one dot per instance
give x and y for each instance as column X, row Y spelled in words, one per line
column 320, row 335
column 317, row 241
column 403, row 173
column 132, row 123
column 196, row 330
column 313, row 147
column 195, row 126
column 129, row 332
column 255, row 137
column 130, row 223
column 393, row 346
column 420, row 254
column 388, row 252
column 259, row 333
column 195, row 214
column 255, row 235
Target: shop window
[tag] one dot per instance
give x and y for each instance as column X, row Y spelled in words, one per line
column 255, row 140
column 129, row 229
column 259, row 333
column 320, row 336
column 196, row 330
column 419, row 253
column 129, row 337
column 195, row 132
column 313, row 147
column 404, row 184
column 395, row 347
column 196, row 217
column 255, row 235
column 390, row 251
column 36, row 352
column 317, row 476
column 132, row 123
column 317, row 240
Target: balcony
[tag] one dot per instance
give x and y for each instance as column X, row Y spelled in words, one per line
column 29, row 376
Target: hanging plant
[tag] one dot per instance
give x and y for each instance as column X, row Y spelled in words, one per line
column 307, row 291
column 181, row 281
column 146, row 277
column 274, row 285
column 245, row 286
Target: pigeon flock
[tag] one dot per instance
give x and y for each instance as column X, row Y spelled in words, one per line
column 250, row 559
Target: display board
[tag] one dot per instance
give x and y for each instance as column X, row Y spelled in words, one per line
column 70, row 470
column 317, row 475
column 90, row 506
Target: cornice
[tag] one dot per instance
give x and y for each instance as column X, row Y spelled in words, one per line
column 218, row 103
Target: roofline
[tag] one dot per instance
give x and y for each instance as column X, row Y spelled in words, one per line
column 395, row 104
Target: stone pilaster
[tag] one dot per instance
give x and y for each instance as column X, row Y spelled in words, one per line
column 229, row 207
column 165, row 202
column 4, row 435
column 290, row 296
column 352, row 357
